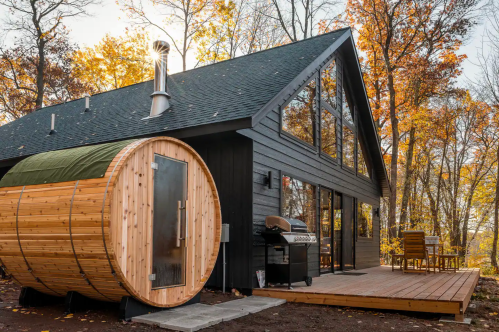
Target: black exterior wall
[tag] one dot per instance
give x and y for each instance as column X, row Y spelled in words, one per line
column 230, row 158
column 276, row 151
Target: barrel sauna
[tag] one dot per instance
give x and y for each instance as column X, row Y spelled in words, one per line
column 136, row 218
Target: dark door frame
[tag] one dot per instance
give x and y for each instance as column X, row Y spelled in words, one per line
column 354, row 226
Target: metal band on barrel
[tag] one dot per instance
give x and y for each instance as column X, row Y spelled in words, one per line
column 82, row 273
column 30, row 270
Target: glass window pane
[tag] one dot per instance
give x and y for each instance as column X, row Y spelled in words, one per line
column 298, row 115
column 325, row 230
column 328, row 84
column 328, row 133
column 347, row 110
column 365, row 220
column 348, row 147
column 299, row 201
column 361, row 162
column 337, row 252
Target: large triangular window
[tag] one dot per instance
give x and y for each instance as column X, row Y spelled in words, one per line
column 328, row 84
column 298, row 117
column 328, row 133
column 347, row 110
column 361, row 162
column 348, row 147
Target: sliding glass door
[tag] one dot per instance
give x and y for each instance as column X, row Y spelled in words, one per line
column 325, row 231
column 347, row 234
column 337, row 237
column 336, row 231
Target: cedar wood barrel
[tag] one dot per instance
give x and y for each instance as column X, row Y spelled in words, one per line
column 95, row 236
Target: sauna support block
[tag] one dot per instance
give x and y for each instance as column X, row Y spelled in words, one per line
column 30, row 297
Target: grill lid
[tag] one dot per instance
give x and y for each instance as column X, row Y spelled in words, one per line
column 285, row 224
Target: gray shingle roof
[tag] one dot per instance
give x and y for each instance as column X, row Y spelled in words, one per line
column 229, row 90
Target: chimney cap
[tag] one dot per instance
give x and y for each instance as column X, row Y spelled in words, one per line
column 161, row 46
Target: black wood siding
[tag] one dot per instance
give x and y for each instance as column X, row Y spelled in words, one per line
column 229, row 158
column 275, row 151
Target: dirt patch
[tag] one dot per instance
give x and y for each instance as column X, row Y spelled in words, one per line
column 288, row 317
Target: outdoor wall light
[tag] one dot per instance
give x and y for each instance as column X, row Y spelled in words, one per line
column 268, row 180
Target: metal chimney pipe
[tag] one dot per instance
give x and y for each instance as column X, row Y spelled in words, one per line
column 160, row 96
column 87, row 102
column 52, row 125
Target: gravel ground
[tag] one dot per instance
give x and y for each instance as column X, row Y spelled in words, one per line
column 288, row 317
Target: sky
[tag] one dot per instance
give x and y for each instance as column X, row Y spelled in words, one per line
column 108, row 18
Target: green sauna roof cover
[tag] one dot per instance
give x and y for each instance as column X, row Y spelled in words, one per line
column 86, row 162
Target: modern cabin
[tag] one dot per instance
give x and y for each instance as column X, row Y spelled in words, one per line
column 286, row 131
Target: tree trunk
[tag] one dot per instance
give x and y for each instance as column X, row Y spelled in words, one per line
column 464, row 242
column 293, row 13
column 407, row 180
column 493, row 254
column 40, row 77
column 436, row 221
column 392, row 210
column 415, row 209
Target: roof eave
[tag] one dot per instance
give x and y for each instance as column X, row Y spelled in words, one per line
column 368, row 122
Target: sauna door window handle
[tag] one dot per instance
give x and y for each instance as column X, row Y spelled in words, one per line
column 179, row 223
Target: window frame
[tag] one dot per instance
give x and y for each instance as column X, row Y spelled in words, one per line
column 353, row 127
column 333, row 111
column 299, row 178
column 292, row 138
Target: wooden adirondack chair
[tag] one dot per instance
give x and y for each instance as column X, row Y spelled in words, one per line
column 415, row 249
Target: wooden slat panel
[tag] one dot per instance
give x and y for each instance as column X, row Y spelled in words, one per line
column 381, row 288
column 63, row 236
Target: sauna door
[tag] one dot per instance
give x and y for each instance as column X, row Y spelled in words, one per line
column 348, row 242
column 169, row 222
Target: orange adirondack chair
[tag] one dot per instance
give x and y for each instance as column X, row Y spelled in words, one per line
column 415, row 249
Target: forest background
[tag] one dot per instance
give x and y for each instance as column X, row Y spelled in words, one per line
column 437, row 113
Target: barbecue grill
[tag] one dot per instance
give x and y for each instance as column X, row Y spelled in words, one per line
column 290, row 241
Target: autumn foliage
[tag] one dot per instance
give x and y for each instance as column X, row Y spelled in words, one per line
column 439, row 139
column 115, row 62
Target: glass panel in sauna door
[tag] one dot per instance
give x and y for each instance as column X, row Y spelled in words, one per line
column 325, row 231
column 169, row 222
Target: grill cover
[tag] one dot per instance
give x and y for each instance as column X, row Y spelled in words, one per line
column 286, row 224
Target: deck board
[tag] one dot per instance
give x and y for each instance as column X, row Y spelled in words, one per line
column 380, row 288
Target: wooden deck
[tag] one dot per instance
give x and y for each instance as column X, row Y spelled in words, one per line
column 380, row 288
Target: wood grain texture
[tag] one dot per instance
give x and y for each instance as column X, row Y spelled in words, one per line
column 95, row 236
column 380, row 288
